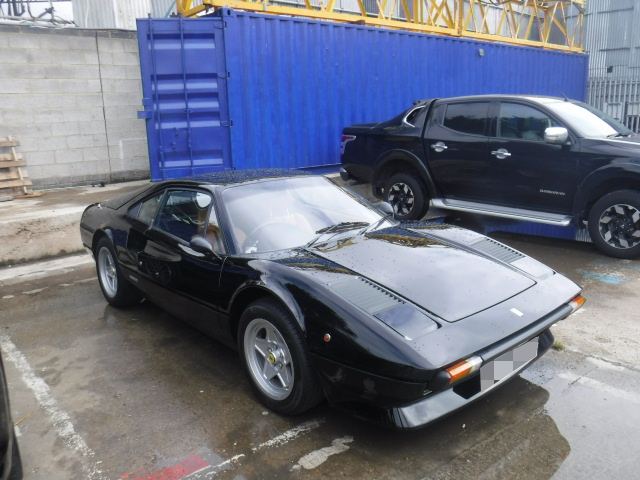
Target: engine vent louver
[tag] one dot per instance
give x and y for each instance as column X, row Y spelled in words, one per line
column 365, row 295
column 496, row 250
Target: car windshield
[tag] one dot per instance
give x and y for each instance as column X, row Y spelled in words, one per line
column 588, row 121
column 285, row 213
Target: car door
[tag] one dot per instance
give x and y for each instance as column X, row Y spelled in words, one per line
column 527, row 172
column 457, row 145
column 180, row 279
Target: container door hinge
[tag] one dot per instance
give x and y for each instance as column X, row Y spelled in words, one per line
column 226, row 123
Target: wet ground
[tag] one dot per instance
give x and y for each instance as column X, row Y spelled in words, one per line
column 104, row 394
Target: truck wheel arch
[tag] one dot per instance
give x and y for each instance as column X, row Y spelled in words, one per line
column 401, row 161
column 600, row 183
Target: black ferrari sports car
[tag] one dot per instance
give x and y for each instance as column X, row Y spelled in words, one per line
column 327, row 296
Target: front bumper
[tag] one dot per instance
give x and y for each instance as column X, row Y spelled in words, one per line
column 408, row 405
column 443, row 403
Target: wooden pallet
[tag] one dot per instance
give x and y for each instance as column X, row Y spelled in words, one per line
column 14, row 180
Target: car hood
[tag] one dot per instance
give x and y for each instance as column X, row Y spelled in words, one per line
column 625, row 145
column 440, row 276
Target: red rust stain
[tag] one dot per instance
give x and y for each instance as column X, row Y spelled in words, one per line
column 174, row 472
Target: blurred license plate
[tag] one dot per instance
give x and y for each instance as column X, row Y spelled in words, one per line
column 507, row 363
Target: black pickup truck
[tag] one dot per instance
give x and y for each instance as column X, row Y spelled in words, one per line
column 540, row 159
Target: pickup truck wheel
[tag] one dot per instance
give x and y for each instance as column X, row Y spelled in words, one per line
column 407, row 196
column 614, row 224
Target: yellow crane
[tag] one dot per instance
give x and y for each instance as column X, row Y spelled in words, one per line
column 553, row 24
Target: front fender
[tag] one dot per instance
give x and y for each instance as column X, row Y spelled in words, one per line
column 356, row 338
column 270, row 287
column 616, row 176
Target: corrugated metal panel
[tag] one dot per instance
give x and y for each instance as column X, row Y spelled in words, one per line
column 185, row 96
column 120, row 14
column 295, row 83
column 163, row 8
column 611, row 38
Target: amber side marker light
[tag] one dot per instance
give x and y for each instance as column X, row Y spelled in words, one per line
column 576, row 303
column 463, row 369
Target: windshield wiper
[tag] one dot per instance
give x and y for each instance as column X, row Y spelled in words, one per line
column 617, row 135
column 338, row 227
column 374, row 225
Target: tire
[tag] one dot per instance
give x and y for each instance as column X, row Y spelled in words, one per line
column 407, row 196
column 294, row 388
column 117, row 290
column 16, row 462
column 614, row 224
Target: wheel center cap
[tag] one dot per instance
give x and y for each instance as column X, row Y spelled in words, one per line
column 271, row 358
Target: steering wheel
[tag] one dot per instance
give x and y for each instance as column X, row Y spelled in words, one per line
column 253, row 238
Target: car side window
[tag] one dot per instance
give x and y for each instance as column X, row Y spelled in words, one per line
column 467, row 117
column 523, row 122
column 146, row 210
column 184, row 213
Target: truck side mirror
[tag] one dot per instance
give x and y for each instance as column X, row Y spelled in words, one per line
column 556, row 135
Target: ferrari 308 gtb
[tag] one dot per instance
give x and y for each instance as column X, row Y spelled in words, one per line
column 327, row 296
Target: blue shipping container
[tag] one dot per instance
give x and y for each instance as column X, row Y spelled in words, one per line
column 246, row 90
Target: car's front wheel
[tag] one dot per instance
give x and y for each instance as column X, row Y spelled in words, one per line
column 614, row 224
column 275, row 358
column 117, row 290
column 407, row 196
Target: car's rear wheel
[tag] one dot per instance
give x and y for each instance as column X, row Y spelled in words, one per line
column 117, row 290
column 408, row 196
column 275, row 358
column 614, row 224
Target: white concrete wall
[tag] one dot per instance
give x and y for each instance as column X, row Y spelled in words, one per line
column 71, row 97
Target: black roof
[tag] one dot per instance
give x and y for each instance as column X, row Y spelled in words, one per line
column 229, row 177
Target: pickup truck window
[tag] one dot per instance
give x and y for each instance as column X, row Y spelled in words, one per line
column 523, row 122
column 411, row 117
column 586, row 122
column 468, row 117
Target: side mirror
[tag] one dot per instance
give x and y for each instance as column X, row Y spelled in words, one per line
column 201, row 245
column 556, row 135
column 386, row 208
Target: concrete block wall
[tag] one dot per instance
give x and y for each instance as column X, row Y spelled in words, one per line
column 71, row 96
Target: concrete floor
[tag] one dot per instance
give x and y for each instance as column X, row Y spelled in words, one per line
column 100, row 393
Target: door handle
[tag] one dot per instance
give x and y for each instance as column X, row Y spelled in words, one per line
column 501, row 153
column 439, row 147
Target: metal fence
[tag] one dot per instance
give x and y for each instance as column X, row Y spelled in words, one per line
column 617, row 96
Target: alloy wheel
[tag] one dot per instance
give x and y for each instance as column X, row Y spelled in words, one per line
column 108, row 272
column 619, row 226
column 269, row 359
column 401, row 198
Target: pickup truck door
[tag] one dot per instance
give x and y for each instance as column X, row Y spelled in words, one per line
column 527, row 172
column 456, row 143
